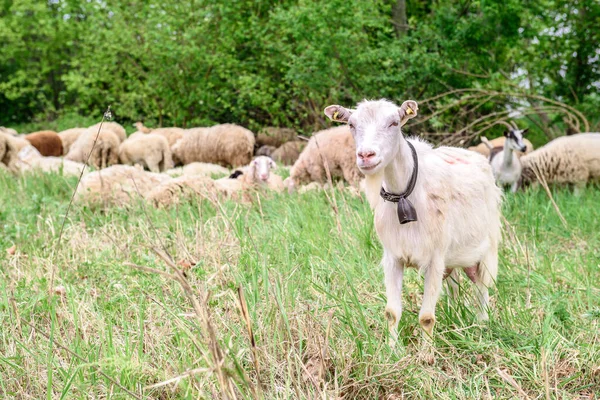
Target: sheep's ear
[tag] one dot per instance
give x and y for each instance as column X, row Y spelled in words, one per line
column 272, row 164
column 407, row 110
column 338, row 113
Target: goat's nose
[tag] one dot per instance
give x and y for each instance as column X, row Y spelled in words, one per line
column 523, row 149
column 365, row 155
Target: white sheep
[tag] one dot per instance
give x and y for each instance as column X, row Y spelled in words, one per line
column 335, row 147
column 29, row 158
column 505, row 162
column 9, row 131
column 115, row 127
column 69, row 136
column 452, row 192
column 174, row 191
column 258, row 175
column 149, row 150
column 98, row 148
column 198, row 168
column 573, row 159
column 225, row 144
column 117, row 185
column 172, row 134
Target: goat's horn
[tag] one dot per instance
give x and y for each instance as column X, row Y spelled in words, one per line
column 513, row 123
column 510, row 128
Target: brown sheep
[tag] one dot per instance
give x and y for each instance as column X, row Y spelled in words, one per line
column 289, row 152
column 48, row 143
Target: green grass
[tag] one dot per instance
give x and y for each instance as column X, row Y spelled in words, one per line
column 310, row 288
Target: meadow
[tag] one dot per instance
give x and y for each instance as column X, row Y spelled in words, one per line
column 281, row 299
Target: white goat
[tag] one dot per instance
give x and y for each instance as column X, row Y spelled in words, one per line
column 453, row 192
column 504, row 160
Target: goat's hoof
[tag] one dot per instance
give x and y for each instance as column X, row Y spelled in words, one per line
column 427, row 321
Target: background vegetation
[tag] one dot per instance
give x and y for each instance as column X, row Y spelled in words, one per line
column 279, row 63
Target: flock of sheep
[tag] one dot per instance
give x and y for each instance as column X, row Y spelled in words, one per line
column 434, row 209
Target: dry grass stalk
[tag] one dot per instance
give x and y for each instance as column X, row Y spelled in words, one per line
column 511, row 381
column 544, row 184
column 246, row 315
column 107, row 115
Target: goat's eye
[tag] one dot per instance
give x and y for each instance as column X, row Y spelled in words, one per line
column 395, row 123
column 351, row 126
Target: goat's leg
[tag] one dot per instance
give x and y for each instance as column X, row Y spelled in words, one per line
column 514, row 187
column 485, row 278
column 394, row 272
column 434, row 274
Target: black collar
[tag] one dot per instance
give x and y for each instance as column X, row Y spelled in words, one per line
column 406, row 211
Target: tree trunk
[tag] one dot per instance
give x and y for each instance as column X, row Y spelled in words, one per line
column 399, row 18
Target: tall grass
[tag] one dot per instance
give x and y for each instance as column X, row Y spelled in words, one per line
column 314, row 298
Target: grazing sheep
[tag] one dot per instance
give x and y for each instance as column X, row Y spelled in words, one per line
column 8, row 131
column 571, row 159
column 175, row 191
column 451, row 190
column 69, row 136
column 336, row 147
column 258, row 175
column 289, row 152
column 273, row 136
column 30, row 159
column 266, row 150
column 117, row 185
column 101, row 155
column 48, row 143
column 116, row 128
column 226, row 145
column 504, row 160
column 172, row 134
column 9, row 149
column 149, row 150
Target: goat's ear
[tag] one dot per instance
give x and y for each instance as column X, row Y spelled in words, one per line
column 524, row 131
column 407, row 110
column 506, row 133
column 338, row 113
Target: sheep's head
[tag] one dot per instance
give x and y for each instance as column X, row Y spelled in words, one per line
column 514, row 138
column 261, row 167
column 375, row 126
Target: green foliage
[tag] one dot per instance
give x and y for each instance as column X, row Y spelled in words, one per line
column 279, row 63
